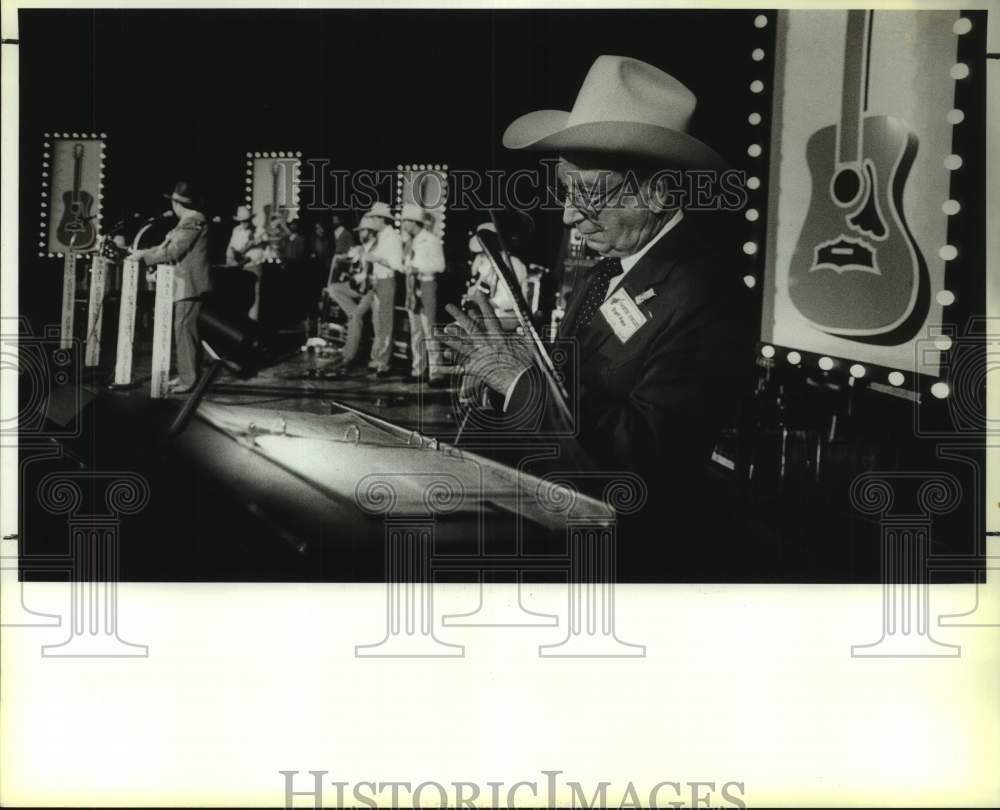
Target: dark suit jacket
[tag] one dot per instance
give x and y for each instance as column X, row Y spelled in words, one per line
column 186, row 246
column 654, row 405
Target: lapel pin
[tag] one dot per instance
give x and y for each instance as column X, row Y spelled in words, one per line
column 645, row 296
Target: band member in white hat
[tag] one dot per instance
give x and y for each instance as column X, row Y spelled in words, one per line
column 660, row 324
column 491, row 282
column 186, row 247
column 386, row 258
column 354, row 293
column 424, row 261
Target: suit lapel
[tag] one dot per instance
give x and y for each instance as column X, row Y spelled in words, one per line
column 651, row 272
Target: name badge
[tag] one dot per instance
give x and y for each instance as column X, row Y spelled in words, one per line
column 623, row 315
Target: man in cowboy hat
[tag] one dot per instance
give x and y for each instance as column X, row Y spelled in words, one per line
column 386, row 258
column 186, row 247
column 660, row 323
column 500, row 299
column 424, row 261
column 241, row 241
column 354, row 294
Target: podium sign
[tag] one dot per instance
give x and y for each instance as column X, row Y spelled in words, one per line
column 68, row 301
column 163, row 317
column 95, row 310
column 126, row 322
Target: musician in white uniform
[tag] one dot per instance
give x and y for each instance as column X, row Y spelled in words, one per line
column 423, row 263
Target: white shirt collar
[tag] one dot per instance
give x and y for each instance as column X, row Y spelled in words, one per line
column 628, row 262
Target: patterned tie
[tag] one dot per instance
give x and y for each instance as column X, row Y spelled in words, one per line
column 604, row 271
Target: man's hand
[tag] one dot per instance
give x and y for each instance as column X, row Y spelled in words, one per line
column 487, row 354
column 136, row 255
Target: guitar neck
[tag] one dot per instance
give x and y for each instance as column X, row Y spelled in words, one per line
column 77, row 172
column 855, row 77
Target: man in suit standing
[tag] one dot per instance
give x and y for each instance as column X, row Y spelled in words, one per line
column 186, row 247
column 660, row 324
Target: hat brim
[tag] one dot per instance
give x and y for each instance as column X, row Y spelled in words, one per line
column 546, row 130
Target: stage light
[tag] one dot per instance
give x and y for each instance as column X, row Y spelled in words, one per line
column 959, row 71
column 750, row 281
column 752, row 214
column 281, row 154
column 754, row 118
column 896, row 378
column 953, row 162
column 753, row 183
column 940, row 390
column 757, row 54
column 750, row 248
column 858, row 371
column 942, row 342
column 760, row 21
column 955, row 117
column 962, row 26
column 951, row 207
column 946, row 298
column 948, row 252
column 756, row 86
column 826, row 363
column 794, row 358
column 767, row 351
column 754, row 150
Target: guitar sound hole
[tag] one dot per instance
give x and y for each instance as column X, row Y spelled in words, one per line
column 846, row 186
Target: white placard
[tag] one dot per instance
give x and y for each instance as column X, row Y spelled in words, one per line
column 95, row 310
column 126, row 322
column 68, row 301
column 163, row 318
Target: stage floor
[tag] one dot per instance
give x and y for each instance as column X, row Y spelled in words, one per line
column 302, row 382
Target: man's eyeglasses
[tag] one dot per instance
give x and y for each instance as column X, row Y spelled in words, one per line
column 589, row 202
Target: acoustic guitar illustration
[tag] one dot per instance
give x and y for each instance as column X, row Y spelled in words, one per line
column 76, row 219
column 856, row 271
column 274, row 208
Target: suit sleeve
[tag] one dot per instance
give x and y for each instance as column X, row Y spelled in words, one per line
column 688, row 385
column 176, row 246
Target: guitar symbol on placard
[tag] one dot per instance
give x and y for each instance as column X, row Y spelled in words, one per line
column 857, row 272
column 76, row 220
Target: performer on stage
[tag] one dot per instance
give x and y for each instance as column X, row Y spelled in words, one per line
column 387, row 260
column 186, row 247
column 424, row 261
column 354, row 294
column 343, row 241
column 243, row 247
column 484, row 274
column 661, row 323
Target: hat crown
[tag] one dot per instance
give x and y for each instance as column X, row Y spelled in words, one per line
column 380, row 209
column 412, row 212
column 618, row 88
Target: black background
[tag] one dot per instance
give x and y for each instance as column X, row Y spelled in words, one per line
column 186, row 94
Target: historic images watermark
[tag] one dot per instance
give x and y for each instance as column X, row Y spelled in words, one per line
column 548, row 789
column 546, row 188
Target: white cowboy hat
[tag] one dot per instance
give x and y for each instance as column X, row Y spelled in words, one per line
column 380, row 209
column 242, row 214
column 624, row 107
column 366, row 223
column 413, row 213
column 474, row 245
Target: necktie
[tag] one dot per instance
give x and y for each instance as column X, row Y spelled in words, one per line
column 597, row 291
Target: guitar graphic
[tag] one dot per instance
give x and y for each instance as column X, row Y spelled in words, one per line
column 274, row 208
column 857, row 272
column 76, row 219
